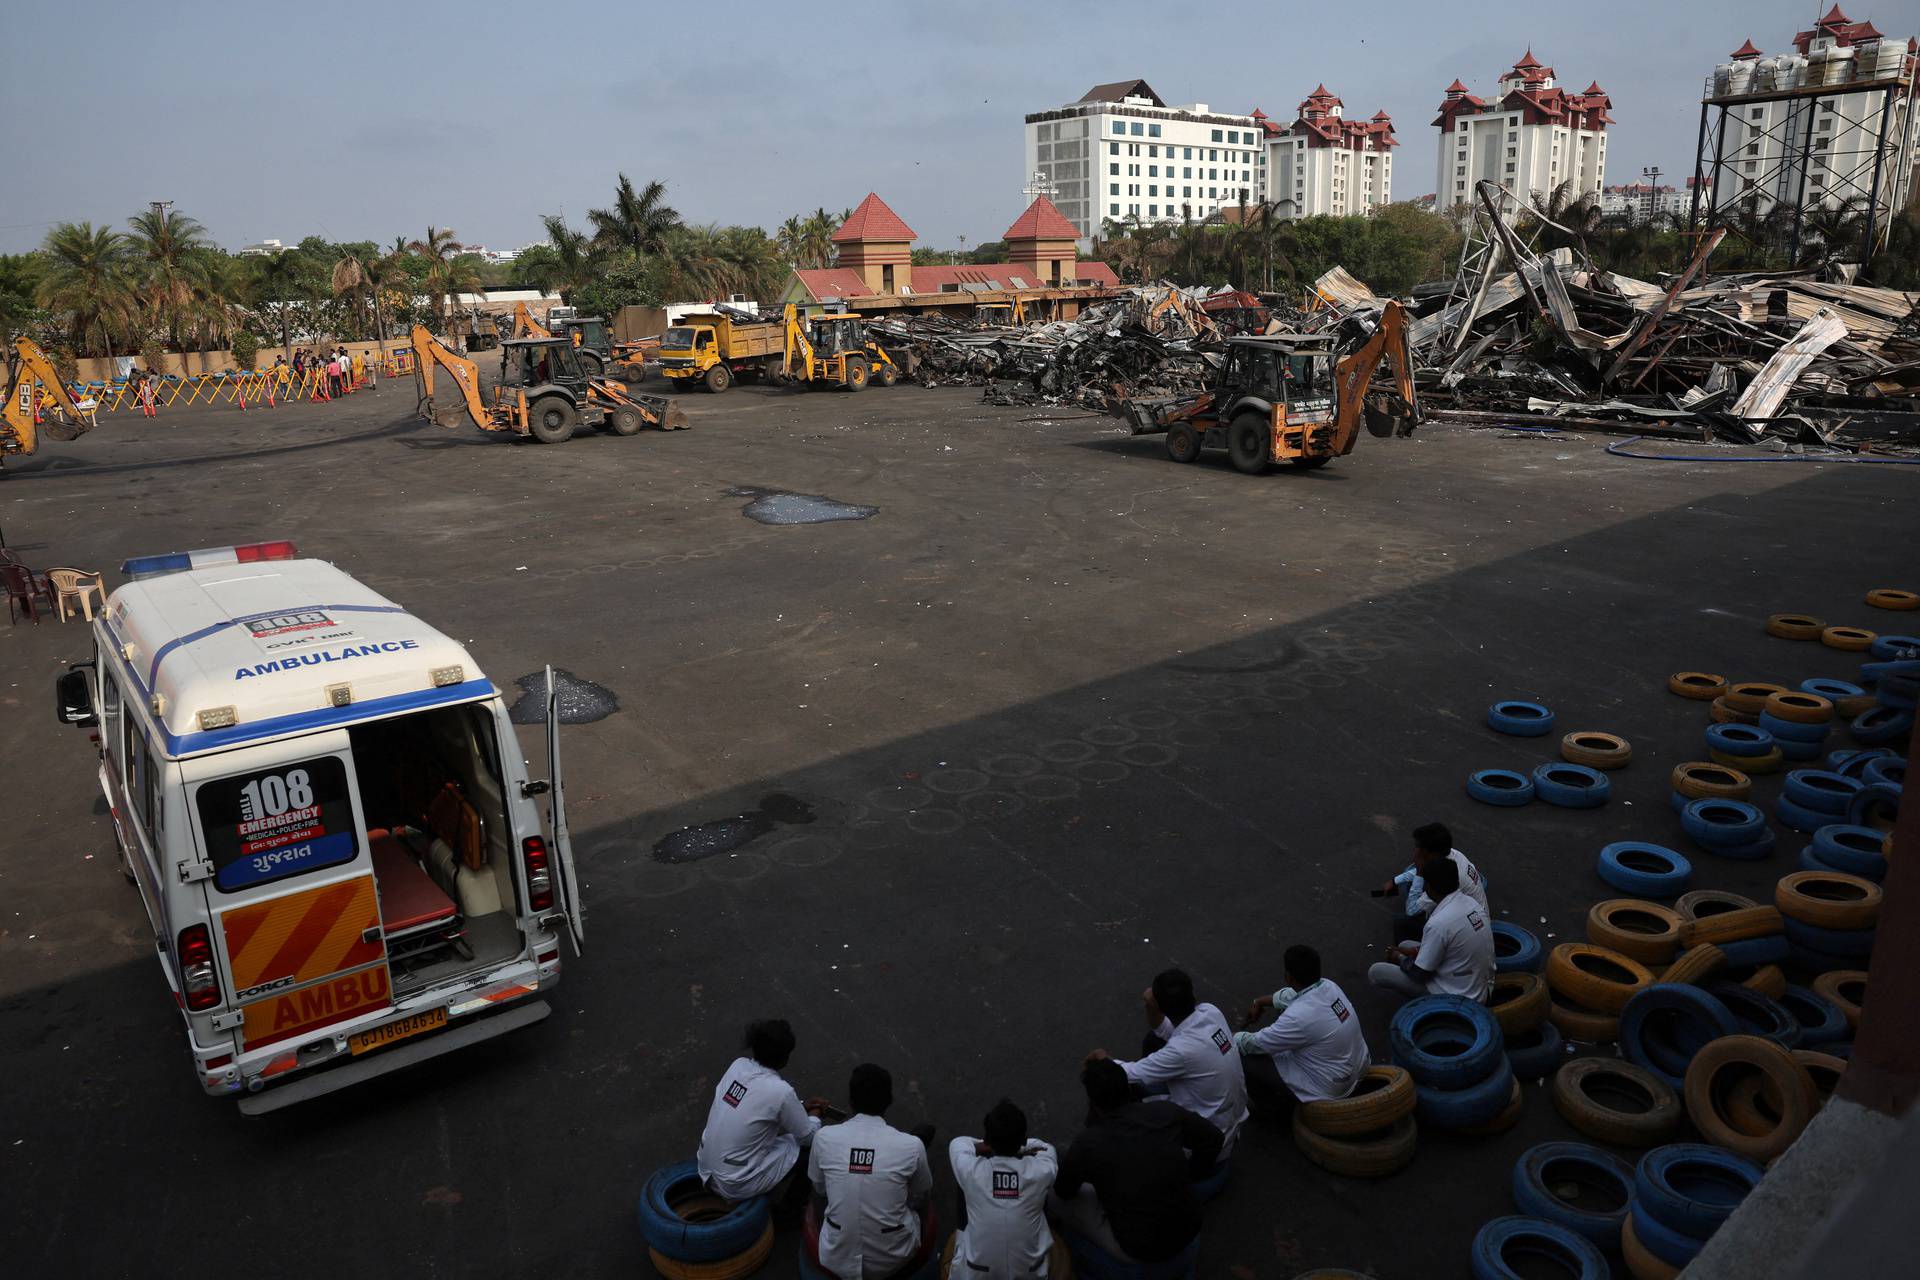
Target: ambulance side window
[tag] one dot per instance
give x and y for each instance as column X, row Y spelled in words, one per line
column 110, row 713
column 130, row 754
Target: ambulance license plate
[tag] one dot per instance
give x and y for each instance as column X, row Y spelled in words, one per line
column 399, row 1029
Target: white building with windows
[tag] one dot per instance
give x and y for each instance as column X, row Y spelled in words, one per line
column 1531, row 137
column 1121, row 153
column 1779, row 111
column 1643, row 202
column 1325, row 163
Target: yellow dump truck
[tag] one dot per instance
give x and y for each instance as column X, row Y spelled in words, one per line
column 715, row 348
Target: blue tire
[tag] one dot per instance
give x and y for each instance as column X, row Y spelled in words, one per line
column 1800, row 752
column 1853, row 762
column 1820, row 1019
column 1675, row 1248
column 1901, row 693
column 1877, row 796
column 1799, row 817
column 1552, row 1164
column 1570, row 786
column 1894, row 648
column 1810, row 860
column 1854, row 850
column 1516, row 950
column 1752, row 851
column 1872, row 673
column 1753, row 953
column 1517, row 1237
column 1891, row 772
column 1739, row 739
column 727, row 1236
column 1831, row 690
column 1644, row 870
column 1665, row 1024
column 1812, row 960
column 1465, row 1108
column 1785, row 731
column 1501, row 787
column 1758, row 1015
column 1821, row 790
column 1520, row 719
column 1714, row 821
column 1535, row 1054
column 1857, row 943
column 1445, row 1042
column 1876, row 725
column 1692, row 1188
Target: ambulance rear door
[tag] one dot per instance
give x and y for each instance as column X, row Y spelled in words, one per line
column 290, row 883
column 566, row 886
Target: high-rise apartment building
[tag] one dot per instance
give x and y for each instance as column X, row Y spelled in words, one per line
column 1531, row 137
column 1324, row 163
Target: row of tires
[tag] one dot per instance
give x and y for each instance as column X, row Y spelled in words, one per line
column 1872, row 719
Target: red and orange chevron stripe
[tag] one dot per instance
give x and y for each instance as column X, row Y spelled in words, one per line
column 303, row 936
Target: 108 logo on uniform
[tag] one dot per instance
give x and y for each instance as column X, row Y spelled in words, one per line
column 860, row 1160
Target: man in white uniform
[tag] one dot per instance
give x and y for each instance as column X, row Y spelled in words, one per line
column 1191, row 1052
column 756, row 1127
column 1454, row 955
column 875, row 1181
column 1313, row 1050
column 1430, row 843
column 1004, row 1180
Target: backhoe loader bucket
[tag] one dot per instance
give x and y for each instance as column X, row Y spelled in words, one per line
column 672, row 417
column 1147, row 417
column 56, row 427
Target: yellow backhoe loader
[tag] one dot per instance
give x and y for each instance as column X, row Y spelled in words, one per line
column 833, row 349
column 32, row 384
column 543, row 392
column 1292, row 398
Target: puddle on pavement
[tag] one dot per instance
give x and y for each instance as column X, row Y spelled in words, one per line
column 725, row 835
column 777, row 506
column 580, row 701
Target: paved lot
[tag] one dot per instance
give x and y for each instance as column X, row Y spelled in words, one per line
column 1064, row 713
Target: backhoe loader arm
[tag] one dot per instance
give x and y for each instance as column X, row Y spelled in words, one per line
column 525, row 326
column 1353, row 374
column 427, row 352
column 796, row 340
column 26, row 366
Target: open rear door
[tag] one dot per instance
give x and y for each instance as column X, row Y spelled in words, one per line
column 566, row 884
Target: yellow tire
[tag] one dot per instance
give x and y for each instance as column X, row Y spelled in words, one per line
column 1768, row 763
column 1795, row 626
column 1701, row 685
column 1640, row 1262
column 1751, row 696
column 1800, row 708
column 1640, row 930
column 1732, row 926
column 739, row 1266
column 1698, row 780
column 1847, row 988
column 1373, row 1155
column 1769, row 980
column 1724, row 712
column 1519, row 1002
column 1851, row 639
column 1585, row 1025
column 1595, row 978
column 1384, row 1097
column 1893, row 598
column 1829, row 899
column 1596, row 750
column 1695, row 965
column 1721, row 1066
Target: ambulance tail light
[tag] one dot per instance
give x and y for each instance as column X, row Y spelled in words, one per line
column 539, row 874
column 200, row 985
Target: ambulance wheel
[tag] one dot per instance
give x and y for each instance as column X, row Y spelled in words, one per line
column 1310, row 464
column 1183, row 443
column 1250, row 444
column 551, row 420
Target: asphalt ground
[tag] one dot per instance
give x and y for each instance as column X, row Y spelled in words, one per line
column 1063, row 713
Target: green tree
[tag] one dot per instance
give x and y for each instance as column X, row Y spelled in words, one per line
column 562, row 265
column 626, row 280
column 90, row 280
column 287, row 280
column 449, row 270
column 19, row 279
column 637, row 220
column 167, row 245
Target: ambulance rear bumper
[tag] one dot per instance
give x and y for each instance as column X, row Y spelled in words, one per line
column 406, row 1054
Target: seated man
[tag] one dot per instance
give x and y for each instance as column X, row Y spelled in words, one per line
column 1313, row 1050
column 1455, row 953
column 1190, row 1050
column 1126, row 1183
column 875, row 1181
column 1004, row 1181
column 1430, row 842
column 757, row 1128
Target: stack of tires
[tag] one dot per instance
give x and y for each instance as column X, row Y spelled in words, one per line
column 1728, row 828
column 1829, row 918
column 1744, row 747
column 692, row 1234
column 1750, row 1095
column 1815, row 798
column 1799, row 723
column 1681, row 1195
column 1742, row 703
column 1455, row 1052
column 1370, row 1133
column 1590, row 986
column 1854, row 851
column 1576, row 1186
column 1699, row 780
column 1894, row 676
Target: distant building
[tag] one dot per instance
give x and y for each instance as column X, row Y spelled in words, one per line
column 1121, row 152
column 260, row 249
column 1643, row 202
column 1531, row 136
column 1785, row 137
column 1326, row 164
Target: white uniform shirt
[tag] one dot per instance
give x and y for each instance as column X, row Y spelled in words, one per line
column 1200, row 1066
column 754, row 1130
column 1457, row 948
column 1315, row 1043
column 869, row 1172
column 1006, row 1236
column 1472, row 883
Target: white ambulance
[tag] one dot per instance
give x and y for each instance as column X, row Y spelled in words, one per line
column 322, row 803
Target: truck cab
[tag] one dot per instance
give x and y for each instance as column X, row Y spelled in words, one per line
column 320, row 799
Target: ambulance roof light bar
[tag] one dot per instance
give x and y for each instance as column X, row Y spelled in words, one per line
column 153, row 566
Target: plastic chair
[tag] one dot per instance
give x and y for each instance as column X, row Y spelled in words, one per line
column 25, row 589
column 77, row 585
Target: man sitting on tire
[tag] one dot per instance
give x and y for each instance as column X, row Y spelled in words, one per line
column 1190, row 1052
column 1004, row 1183
column 757, row 1128
column 1313, row 1050
column 1430, row 843
column 875, row 1182
column 1454, row 956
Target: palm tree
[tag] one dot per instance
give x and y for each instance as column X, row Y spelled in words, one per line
column 90, row 279
column 168, row 244
column 571, row 263
column 381, row 272
column 284, row 280
column 349, row 279
column 638, row 220
column 219, row 288
column 441, row 250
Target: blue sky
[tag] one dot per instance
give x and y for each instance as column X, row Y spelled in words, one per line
column 365, row 121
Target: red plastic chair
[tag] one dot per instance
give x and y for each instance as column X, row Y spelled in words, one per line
column 25, row 590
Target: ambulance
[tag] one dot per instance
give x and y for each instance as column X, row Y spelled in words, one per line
column 321, row 799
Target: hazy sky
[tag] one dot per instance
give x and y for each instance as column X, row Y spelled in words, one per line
column 367, row 121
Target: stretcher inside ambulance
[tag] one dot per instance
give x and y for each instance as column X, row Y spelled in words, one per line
column 323, row 804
